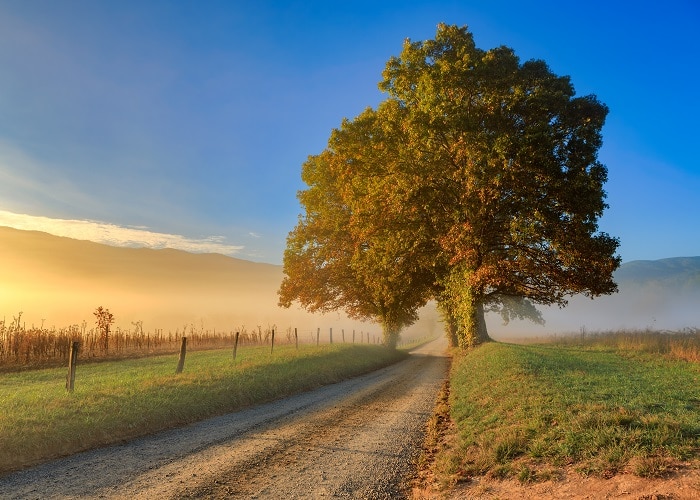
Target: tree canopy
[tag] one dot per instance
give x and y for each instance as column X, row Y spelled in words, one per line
column 475, row 183
column 351, row 251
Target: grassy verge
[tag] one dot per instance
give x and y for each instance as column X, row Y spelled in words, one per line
column 114, row 401
column 530, row 412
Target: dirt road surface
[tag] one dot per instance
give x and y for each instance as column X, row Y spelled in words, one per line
column 356, row 439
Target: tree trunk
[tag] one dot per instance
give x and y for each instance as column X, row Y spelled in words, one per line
column 472, row 331
column 483, row 334
column 463, row 304
column 390, row 336
column 452, row 333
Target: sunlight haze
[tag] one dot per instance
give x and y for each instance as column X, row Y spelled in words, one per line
column 184, row 125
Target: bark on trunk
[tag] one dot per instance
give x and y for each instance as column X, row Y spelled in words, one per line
column 473, row 329
column 483, row 334
column 390, row 336
column 464, row 304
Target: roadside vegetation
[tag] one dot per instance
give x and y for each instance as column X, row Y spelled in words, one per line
column 117, row 400
column 597, row 404
column 30, row 347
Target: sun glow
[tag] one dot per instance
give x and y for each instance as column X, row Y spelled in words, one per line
column 58, row 282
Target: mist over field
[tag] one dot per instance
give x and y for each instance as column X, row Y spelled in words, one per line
column 659, row 295
column 59, row 282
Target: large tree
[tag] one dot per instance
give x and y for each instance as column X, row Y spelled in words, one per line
column 475, row 183
column 513, row 153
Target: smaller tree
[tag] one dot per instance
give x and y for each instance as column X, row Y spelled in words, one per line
column 104, row 319
column 354, row 249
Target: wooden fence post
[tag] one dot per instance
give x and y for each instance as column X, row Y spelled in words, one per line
column 296, row 339
column 353, row 336
column 272, row 343
column 342, row 334
column 331, row 336
column 72, row 361
column 183, row 352
column 235, row 346
column 318, row 335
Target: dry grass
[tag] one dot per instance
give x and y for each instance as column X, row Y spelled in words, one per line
column 679, row 345
column 23, row 347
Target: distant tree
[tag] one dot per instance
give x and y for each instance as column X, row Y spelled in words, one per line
column 513, row 155
column 103, row 319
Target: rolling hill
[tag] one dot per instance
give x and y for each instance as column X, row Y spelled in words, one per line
column 61, row 281
column 679, row 272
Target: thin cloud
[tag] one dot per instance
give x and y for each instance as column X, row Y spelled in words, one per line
column 112, row 234
column 22, row 177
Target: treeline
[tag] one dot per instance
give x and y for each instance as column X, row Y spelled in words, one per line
column 35, row 347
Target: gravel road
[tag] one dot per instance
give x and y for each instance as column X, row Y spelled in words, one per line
column 355, row 439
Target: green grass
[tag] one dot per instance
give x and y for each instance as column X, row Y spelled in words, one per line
column 532, row 411
column 118, row 400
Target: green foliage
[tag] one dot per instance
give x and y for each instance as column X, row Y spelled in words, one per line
column 524, row 409
column 512, row 151
column 352, row 250
column 465, row 307
column 476, row 183
column 119, row 400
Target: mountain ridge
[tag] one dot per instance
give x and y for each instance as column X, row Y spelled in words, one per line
column 632, row 270
column 63, row 280
column 666, row 270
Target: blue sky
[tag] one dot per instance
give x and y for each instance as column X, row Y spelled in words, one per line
column 185, row 124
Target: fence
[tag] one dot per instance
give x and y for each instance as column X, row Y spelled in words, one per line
column 22, row 347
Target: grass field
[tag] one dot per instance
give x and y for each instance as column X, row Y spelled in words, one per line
column 529, row 411
column 118, row 400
